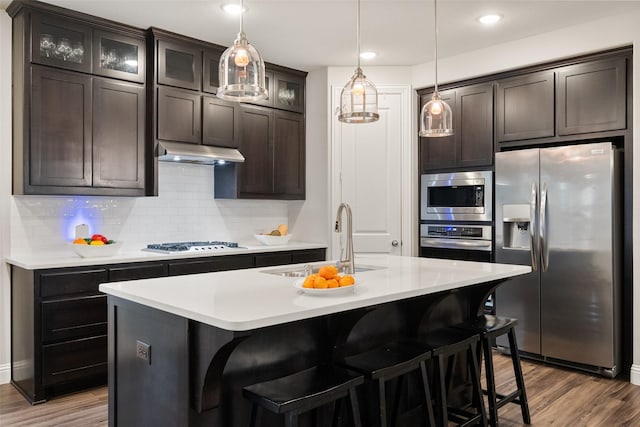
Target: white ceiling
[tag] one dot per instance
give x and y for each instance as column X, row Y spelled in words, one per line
column 307, row 34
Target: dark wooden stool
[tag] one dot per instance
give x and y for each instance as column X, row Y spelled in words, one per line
column 489, row 327
column 391, row 361
column 306, row 390
column 446, row 344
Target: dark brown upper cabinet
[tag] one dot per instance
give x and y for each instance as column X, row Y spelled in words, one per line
column 211, row 71
column 59, row 152
column 118, row 56
column 256, row 144
column 471, row 144
column 78, row 128
column 268, row 101
column 440, row 152
column 592, row 97
column 118, row 134
column 179, row 115
column 289, row 155
column 220, row 122
column 525, row 107
column 180, row 65
column 273, row 144
column 288, row 92
column 60, row 42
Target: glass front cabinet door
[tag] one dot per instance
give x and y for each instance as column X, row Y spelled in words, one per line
column 118, row 56
column 60, row 43
column 288, row 92
column 179, row 65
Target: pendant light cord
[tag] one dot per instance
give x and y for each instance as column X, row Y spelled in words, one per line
column 358, row 34
column 241, row 15
column 435, row 42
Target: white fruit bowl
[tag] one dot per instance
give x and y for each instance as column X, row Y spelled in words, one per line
column 269, row 240
column 88, row 251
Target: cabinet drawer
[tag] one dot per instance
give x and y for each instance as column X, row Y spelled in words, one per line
column 138, row 271
column 211, row 264
column 75, row 360
column 266, row 260
column 74, row 318
column 311, row 255
column 54, row 284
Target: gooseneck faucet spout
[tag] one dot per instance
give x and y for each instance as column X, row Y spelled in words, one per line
column 346, row 263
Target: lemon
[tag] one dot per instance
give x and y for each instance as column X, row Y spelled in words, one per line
column 96, row 243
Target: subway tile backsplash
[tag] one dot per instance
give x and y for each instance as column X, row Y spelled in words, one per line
column 184, row 210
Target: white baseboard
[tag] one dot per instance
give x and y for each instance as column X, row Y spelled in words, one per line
column 635, row 374
column 5, row 373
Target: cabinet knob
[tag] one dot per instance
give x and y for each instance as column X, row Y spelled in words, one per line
column 395, row 243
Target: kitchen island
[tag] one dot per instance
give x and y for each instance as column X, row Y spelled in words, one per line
column 182, row 348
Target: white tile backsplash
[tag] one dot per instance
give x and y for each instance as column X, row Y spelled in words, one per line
column 184, row 210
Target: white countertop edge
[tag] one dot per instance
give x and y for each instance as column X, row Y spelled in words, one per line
column 39, row 261
column 116, row 290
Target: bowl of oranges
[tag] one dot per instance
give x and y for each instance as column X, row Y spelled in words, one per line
column 327, row 281
column 95, row 246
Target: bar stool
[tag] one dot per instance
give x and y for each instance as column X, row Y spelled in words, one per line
column 394, row 360
column 446, row 344
column 489, row 327
column 303, row 391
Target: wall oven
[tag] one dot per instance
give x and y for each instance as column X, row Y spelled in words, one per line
column 456, row 241
column 457, row 196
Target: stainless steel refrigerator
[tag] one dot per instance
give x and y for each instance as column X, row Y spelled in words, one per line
column 558, row 210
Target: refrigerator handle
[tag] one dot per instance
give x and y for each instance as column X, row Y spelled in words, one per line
column 532, row 225
column 544, row 244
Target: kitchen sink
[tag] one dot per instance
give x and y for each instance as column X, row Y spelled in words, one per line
column 300, row 271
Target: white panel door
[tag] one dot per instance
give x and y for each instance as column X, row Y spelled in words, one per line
column 369, row 177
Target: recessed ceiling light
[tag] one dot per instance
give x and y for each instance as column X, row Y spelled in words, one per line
column 368, row 55
column 490, row 19
column 232, row 8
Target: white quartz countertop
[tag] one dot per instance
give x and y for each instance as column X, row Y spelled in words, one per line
column 248, row 299
column 67, row 258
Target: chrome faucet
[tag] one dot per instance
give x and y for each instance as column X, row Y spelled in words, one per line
column 345, row 265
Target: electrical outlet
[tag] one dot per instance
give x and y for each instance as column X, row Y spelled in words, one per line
column 143, row 351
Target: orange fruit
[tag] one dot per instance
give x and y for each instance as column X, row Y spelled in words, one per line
column 320, row 283
column 308, row 282
column 347, row 281
column 328, row 271
column 333, row 283
column 79, row 241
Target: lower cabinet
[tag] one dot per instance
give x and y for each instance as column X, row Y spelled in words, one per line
column 59, row 317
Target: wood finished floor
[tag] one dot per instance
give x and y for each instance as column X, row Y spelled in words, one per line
column 557, row 397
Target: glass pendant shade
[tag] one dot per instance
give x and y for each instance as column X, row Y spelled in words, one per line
column 359, row 100
column 242, row 75
column 436, row 118
column 359, row 97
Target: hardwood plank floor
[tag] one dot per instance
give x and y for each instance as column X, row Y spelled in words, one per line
column 557, row 397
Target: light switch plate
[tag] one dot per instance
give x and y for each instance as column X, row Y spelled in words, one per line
column 143, row 351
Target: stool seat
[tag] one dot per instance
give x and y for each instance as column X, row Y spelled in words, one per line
column 450, row 340
column 391, row 361
column 304, row 390
column 492, row 326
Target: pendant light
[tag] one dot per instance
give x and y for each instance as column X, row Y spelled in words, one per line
column 241, row 73
column 436, row 118
column 359, row 97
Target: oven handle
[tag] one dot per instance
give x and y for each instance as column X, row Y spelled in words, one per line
column 482, row 245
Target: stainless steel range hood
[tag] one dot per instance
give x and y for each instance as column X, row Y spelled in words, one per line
column 195, row 153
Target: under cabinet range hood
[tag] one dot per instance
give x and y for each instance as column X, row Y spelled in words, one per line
column 195, row 153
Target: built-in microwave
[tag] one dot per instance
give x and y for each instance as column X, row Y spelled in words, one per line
column 457, row 196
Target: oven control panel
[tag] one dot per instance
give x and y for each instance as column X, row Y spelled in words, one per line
column 482, row 232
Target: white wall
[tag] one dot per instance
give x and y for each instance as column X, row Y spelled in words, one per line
column 5, row 189
column 595, row 36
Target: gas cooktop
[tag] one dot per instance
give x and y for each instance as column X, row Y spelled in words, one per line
column 186, row 247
